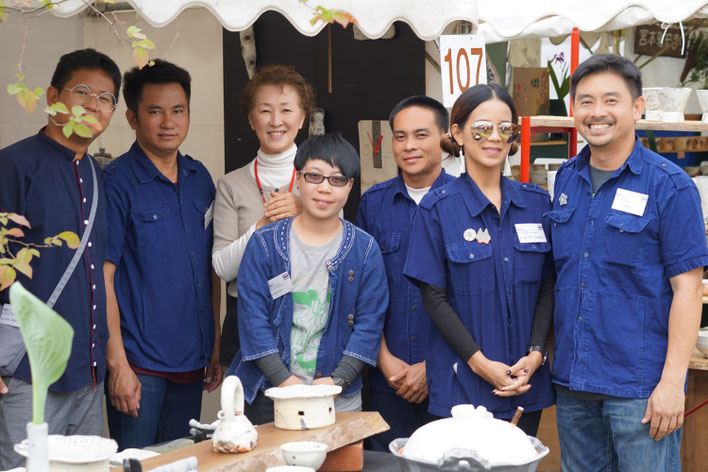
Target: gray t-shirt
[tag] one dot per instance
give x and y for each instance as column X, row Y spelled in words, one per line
column 311, row 302
column 599, row 177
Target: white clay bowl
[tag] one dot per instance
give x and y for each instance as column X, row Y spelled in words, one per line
column 702, row 342
column 305, row 453
column 299, row 407
column 653, row 103
column 703, row 101
column 673, row 103
column 75, row 453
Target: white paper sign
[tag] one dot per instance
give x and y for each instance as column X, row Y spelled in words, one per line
column 630, row 202
column 7, row 317
column 530, row 233
column 463, row 64
column 280, row 285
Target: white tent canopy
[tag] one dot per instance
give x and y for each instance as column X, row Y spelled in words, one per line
column 498, row 20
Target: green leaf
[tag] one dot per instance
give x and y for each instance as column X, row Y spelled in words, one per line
column 27, row 100
column 68, row 129
column 14, row 89
column 3, row 220
column 22, row 262
column 7, row 276
column 34, row 252
column 20, row 76
column 140, row 56
column 47, row 337
column 3, row 14
column 18, row 219
column 92, row 121
column 78, row 111
column 82, row 130
column 38, row 92
column 135, row 32
column 72, row 240
column 144, row 43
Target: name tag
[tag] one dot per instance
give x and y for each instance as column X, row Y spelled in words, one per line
column 530, row 233
column 628, row 201
column 209, row 215
column 280, row 285
column 7, row 317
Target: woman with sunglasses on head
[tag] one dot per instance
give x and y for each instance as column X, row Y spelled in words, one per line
column 481, row 256
column 275, row 101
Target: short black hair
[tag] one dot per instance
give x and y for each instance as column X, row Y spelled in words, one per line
column 85, row 59
column 608, row 63
column 331, row 148
column 161, row 72
column 442, row 118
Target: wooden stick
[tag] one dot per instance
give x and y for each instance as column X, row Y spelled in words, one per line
column 517, row 415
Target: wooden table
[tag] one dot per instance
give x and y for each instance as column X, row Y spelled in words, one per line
column 349, row 428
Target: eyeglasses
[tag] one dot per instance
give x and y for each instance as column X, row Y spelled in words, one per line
column 81, row 94
column 334, row 180
column 482, row 130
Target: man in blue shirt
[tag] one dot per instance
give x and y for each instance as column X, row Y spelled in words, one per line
column 162, row 296
column 398, row 385
column 629, row 249
column 49, row 178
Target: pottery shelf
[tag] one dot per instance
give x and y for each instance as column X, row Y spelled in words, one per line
column 564, row 124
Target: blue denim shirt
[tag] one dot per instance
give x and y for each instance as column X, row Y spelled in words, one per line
column 492, row 287
column 613, row 294
column 386, row 212
column 160, row 237
column 357, row 280
column 40, row 180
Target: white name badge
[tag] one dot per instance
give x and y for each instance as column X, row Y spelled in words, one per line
column 280, row 285
column 530, row 233
column 628, row 201
column 209, row 215
column 7, row 317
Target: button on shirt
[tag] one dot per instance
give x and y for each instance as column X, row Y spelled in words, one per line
column 160, row 238
column 492, row 287
column 40, row 180
column 386, row 212
column 613, row 294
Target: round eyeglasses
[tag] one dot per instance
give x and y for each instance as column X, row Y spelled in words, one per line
column 81, row 94
column 482, row 130
column 334, row 180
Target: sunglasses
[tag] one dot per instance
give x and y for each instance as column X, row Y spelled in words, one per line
column 482, row 130
column 334, row 180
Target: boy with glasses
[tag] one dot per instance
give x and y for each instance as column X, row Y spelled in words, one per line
column 314, row 288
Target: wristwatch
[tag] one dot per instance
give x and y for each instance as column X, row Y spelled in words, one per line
column 540, row 349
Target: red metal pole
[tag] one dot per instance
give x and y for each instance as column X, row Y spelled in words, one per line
column 574, row 59
column 525, row 148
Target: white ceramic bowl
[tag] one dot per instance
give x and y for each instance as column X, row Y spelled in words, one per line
column 298, row 407
column 702, row 342
column 76, row 453
column 653, row 103
column 305, row 453
column 673, row 103
column 703, row 101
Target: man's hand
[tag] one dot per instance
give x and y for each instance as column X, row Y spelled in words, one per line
column 393, row 369
column 665, row 409
column 413, row 385
column 282, row 205
column 214, row 373
column 292, row 380
column 496, row 373
column 522, row 370
column 3, row 387
column 124, row 390
column 323, row 381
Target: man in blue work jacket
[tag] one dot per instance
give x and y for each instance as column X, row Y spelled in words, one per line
column 629, row 249
column 162, row 296
column 398, row 384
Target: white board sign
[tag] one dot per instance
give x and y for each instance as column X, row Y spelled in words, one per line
column 463, row 64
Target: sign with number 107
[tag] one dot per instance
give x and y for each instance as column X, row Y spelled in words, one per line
column 463, row 64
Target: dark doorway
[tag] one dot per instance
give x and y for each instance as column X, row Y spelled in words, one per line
column 368, row 79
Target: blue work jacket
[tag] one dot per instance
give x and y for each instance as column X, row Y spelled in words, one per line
column 492, row 287
column 357, row 281
column 160, row 238
column 386, row 212
column 613, row 294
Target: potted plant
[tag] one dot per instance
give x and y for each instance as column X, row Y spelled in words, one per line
column 562, row 86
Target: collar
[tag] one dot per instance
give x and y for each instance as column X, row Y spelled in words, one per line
column 146, row 171
column 63, row 150
column 281, row 239
column 399, row 186
column 476, row 201
column 634, row 161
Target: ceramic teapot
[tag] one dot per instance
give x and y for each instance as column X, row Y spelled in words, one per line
column 235, row 433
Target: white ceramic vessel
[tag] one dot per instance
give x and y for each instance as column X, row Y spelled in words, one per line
column 652, row 109
column 703, row 101
column 298, row 407
column 673, row 103
column 74, row 453
column 235, row 433
column 702, row 342
column 305, row 453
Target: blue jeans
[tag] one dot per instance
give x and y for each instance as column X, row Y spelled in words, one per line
column 402, row 416
column 165, row 410
column 608, row 435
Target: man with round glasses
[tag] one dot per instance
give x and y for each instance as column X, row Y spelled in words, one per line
column 51, row 180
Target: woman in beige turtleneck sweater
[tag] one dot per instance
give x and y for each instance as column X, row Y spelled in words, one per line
column 275, row 101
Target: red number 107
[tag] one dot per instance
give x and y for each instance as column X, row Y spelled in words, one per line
column 460, row 54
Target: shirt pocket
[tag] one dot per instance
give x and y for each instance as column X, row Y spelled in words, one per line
column 200, row 215
column 623, row 243
column 153, row 229
column 562, row 232
column 471, row 267
column 528, row 262
column 389, row 244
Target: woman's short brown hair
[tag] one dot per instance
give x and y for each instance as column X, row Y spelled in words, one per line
column 278, row 74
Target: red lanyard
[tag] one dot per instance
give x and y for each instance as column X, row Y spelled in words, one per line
column 258, row 182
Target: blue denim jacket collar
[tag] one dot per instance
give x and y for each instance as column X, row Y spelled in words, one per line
column 281, row 237
column 634, row 160
column 476, row 201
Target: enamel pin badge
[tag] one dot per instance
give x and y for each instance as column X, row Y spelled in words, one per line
column 483, row 236
column 469, row 234
column 563, row 199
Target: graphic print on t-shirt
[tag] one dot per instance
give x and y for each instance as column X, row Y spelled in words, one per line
column 309, row 322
